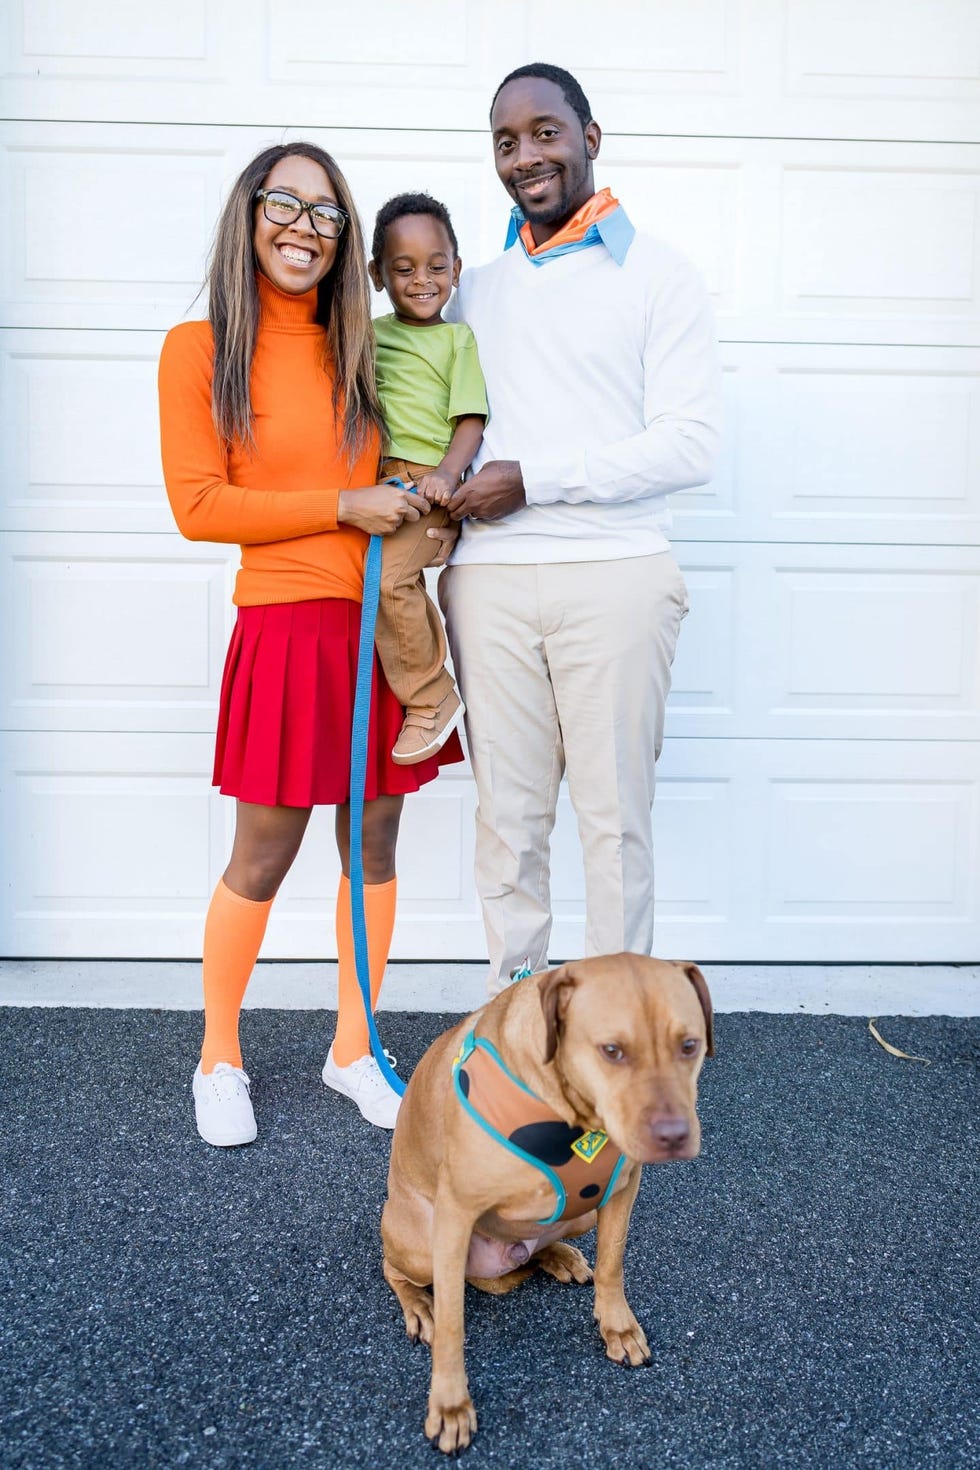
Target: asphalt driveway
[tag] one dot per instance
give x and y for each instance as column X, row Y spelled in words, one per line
column 808, row 1285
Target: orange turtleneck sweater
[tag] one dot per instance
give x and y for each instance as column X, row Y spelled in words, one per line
column 280, row 503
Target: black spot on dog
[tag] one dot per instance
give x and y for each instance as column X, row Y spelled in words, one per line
column 462, row 1078
column 549, row 1142
column 589, row 1192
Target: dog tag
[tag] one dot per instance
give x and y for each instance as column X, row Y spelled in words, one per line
column 589, row 1145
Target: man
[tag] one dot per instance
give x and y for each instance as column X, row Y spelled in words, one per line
column 563, row 601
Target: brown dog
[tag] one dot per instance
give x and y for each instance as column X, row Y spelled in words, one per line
column 569, row 1071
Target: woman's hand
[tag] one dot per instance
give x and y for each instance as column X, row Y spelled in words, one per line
column 379, row 509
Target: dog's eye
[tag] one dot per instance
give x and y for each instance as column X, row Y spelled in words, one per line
column 690, row 1046
column 612, row 1052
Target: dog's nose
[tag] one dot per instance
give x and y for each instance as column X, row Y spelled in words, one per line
column 670, row 1134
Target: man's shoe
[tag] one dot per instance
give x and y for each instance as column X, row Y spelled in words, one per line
column 223, row 1106
column 426, row 730
column 363, row 1083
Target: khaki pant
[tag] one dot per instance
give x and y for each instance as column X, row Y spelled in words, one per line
column 408, row 636
column 565, row 670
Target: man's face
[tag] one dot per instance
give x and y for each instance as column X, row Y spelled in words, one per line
column 542, row 155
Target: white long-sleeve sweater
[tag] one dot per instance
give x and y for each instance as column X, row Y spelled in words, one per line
column 603, row 382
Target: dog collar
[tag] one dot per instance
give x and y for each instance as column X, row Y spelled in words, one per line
column 578, row 1165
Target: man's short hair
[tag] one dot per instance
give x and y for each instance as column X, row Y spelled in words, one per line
column 403, row 204
column 571, row 89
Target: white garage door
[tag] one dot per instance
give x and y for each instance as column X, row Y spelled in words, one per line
column 820, row 787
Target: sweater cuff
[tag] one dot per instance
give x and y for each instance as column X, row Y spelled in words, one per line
column 548, row 480
column 331, row 504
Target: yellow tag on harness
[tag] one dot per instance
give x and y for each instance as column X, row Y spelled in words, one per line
column 589, row 1145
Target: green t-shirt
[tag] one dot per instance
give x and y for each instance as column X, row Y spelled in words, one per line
column 428, row 377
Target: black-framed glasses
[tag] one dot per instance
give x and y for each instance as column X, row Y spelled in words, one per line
column 281, row 208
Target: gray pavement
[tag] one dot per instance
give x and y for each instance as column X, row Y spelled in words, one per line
column 808, row 1285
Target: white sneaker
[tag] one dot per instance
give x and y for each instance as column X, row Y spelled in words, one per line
column 223, row 1106
column 363, row 1083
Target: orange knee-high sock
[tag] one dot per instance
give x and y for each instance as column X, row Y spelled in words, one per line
column 233, row 936
column 352, row 1040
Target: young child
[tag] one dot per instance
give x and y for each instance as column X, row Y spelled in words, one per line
column 435, row 405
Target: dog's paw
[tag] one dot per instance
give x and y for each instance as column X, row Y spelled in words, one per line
column 626, row 1345
column 419, row 1322
column 564, row 1262
column 450, row 1427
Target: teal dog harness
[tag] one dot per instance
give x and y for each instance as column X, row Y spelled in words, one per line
column 581, row 1166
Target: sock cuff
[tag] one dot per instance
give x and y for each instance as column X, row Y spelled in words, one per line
column 246, row 903
column 372, row 887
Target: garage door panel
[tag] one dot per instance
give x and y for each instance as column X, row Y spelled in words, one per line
column 876, row 640
column 110, row 40
column 81, row 451
column 816, row 241
column 843, row 444
column 808, row 850
column 696, row 205
column 837, row 49
column 142, row 205
column 861, row 241
column 897, row 445
column 842, row 846
column 690, row 44
column 845, row 642
column 122, row 840
column 128, row 636
column 373, row 47
column 777, row 850
column 789, row 234
column 704, row 672
column 743, row 67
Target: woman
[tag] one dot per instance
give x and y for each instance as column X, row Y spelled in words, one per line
column 271, row 433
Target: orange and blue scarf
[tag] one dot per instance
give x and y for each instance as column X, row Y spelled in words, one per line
column 602, row 220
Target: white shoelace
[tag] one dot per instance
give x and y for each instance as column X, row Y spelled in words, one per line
column 369, row 1075
column 227, row 1081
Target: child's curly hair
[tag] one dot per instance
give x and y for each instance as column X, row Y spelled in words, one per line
column 398, row 207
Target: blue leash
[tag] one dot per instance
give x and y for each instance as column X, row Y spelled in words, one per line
column 358, row 779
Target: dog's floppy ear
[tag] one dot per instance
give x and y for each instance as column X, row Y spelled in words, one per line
column 701, row 986
column 555, row 988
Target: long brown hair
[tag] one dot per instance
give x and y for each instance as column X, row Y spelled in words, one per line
column 343, row 307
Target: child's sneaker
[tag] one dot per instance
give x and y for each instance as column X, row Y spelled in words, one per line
column 426, row 730
column 363, row 1083
column 223, row 1106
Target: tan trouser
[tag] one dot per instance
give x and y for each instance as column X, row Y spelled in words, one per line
column 408, row 636
column 565, row 670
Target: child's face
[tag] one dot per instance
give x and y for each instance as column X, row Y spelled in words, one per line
column 417, row 268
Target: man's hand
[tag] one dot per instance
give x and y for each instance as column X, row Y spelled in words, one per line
column 448, row 535
column 494, row 491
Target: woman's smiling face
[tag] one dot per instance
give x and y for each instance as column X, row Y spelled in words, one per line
column 294, row 257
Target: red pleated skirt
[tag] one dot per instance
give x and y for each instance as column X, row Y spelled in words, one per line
column 287, row 705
